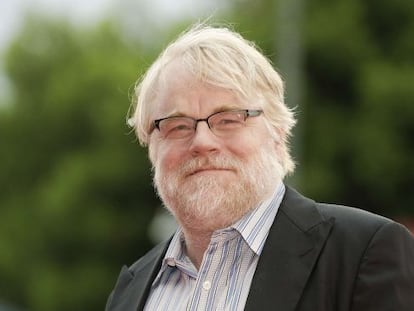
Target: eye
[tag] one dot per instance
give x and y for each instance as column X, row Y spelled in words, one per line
column 228, row 120
column 180, row 127
column 176, row 127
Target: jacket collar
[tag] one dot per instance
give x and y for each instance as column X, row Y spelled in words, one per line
column 289, row 255
column 133, row 285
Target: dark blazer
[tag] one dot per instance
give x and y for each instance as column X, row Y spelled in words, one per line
column 317, row 257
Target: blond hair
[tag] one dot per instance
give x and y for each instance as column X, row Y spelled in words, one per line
column 223, row 58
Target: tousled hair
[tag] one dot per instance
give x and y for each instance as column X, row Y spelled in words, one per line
column 221, row 57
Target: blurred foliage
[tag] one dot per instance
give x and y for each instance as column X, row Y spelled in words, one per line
column 357, row 115
column 76, row 196
column 76, row 193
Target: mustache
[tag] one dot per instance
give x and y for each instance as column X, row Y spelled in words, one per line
column 216, row 162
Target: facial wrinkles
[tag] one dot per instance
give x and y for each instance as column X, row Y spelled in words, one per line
column 206, row 197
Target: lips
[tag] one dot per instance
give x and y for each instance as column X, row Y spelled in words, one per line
column 207, row 164
column 204, row 169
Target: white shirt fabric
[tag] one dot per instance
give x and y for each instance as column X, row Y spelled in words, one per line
column 226, row 272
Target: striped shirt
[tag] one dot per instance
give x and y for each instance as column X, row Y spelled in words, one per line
column 226, row 272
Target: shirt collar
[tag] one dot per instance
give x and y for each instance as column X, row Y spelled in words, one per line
column 174, row 254
column 253, row 227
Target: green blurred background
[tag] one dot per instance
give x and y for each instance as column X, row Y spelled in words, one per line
column 76, row 200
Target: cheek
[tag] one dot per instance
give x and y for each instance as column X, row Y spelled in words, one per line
column 241, row 151
column 246, row 145
column 250, row 146
column 166, row 157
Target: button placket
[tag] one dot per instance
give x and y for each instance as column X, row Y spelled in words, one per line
column 206, row 285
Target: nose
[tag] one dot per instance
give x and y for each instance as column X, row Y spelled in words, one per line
column 203, row 141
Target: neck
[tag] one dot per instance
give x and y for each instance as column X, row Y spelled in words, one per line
column 198, row 231
column 196, row 242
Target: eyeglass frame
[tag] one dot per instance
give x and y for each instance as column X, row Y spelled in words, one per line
column 248, row 113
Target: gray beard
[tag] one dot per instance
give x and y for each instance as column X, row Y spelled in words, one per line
column 209, row 201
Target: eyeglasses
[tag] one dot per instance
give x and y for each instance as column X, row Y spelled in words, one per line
column 220, row 123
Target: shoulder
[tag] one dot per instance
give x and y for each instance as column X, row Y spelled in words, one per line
column 367, row 257
column 349, row 223
column 363, row 228
column 352, row 217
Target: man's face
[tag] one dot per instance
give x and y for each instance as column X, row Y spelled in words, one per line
column 209, row 180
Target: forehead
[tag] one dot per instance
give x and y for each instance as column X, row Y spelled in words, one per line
column 179, row 92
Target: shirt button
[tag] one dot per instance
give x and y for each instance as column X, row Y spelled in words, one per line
column 206, row 285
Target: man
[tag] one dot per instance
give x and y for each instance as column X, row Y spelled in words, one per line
column 211, row 110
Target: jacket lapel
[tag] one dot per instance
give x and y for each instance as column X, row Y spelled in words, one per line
column 291, row 250
column 134, row 284
column 288, row 257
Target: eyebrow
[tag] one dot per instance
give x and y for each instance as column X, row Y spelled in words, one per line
column 221, row 108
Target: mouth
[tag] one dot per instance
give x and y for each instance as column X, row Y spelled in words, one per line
column 208, row 170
